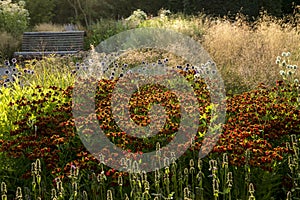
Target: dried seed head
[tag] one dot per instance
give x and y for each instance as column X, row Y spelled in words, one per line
column 19, row 193
column 166, row 161
column 101, row 158
column 167, row 170
column 38, row 165
column 225, row 160
column 186, row 192
column 229, row 179
column 215, row 186
column 212, row 165
column 200, row 164
column 157, row 174
column 127, row 198
column 147, row 185
column 186, row 171
column 120, row 181
column 74, row 186
column 157, row 146
column 109, row 195
column 53, row 194
column 289, row 195
column 33, row 168
column 251, row 188
column 84, row 195
column 192, row 163
column 3, row 188
column 294, row 139
column 135, row 167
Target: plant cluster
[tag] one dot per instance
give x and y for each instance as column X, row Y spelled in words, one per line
column 13, row 22
column 255, row 141
column 13, row 17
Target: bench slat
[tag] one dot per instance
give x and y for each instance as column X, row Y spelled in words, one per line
column 32, row 53
column 45, row 43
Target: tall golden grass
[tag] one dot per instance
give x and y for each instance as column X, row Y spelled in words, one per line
column 245, row 54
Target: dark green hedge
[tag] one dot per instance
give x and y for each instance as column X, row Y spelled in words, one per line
column 88, row 11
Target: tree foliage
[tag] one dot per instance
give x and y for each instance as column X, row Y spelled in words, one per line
column 223, row 7
column 88, row 11
column 40, row 11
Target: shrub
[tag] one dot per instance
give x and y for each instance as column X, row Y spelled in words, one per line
column 136, row 18
column 13, row 17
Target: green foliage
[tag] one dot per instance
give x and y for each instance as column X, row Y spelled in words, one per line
column 13, row 17
column 221, row 7
column 88, row 12
column 101, row 30
column 254, row 158
column 40, row 11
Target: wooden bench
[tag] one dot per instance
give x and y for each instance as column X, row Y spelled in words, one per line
column 36, row 44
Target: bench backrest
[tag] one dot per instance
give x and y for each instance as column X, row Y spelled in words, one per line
column 53, row 41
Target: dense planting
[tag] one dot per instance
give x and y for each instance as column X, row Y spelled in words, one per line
column 255, row 157
column 256, row 136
